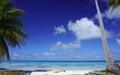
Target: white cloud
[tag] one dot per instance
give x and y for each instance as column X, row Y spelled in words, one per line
column 16, row 55
column 49, row 54
column 112, row 15
column 85, row 29
column 95, row 53
column 118, row 41
column 19, row 56
column 33, row 56
column 62, row 46
column 59, row 30
column 45, row 54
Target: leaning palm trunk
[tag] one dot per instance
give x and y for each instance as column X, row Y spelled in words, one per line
column 111, row 65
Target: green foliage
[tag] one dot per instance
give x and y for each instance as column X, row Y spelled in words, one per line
column 11, row 32
column 113, row 4
column 1, row 73
column 12, row 73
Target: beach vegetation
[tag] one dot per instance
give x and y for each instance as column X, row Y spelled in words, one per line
column 113, row 4
column 11, row 33
column 9, row 72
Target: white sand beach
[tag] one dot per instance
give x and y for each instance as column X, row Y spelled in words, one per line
column 69, row 72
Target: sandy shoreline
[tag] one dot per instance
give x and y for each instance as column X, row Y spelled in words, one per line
column 50, row 72
column 69, row 72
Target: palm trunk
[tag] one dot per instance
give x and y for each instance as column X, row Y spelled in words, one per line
column 4, row 53
column 1, row 53
column 111, row 65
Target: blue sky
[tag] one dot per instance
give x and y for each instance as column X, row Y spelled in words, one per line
column 66, row 30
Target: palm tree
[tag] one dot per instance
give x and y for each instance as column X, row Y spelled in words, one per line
column 11, row 32
column 113, row 4
column 111, row 65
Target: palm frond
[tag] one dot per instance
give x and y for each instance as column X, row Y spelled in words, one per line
column 6, row 4
column 16, row 12
column 14, row 22
column 11, row 17
column 14, row 35
column 11, row 32
column 113, row 4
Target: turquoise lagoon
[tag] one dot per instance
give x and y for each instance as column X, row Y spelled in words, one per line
column 49, row 65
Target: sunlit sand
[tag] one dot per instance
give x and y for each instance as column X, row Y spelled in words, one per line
column 69, row 72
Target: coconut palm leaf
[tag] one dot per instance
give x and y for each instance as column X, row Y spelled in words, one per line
column 11, row 32
column 113, row 4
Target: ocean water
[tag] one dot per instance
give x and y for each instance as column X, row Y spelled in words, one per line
column 49, row 65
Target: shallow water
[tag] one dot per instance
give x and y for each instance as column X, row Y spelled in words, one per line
column 49, row 65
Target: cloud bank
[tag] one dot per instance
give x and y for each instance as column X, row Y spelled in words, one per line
column 85, row 29
column 69, row 46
